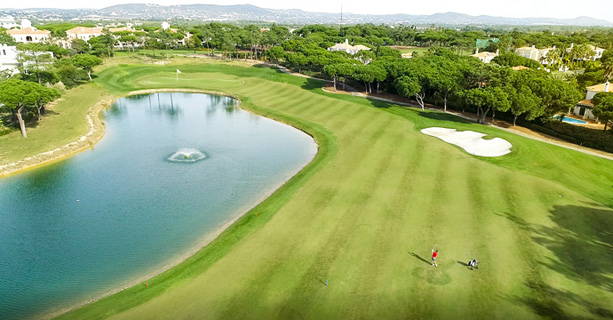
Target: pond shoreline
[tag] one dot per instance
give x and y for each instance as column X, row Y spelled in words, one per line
column 96, row 131
column 94, row 134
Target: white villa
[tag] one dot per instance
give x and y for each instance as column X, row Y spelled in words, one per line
column 597, row 51
column 84, row 33
column 485, row 56
column 8, row 22
column 8, row 58
column 347, row 47
column 28, row 34
column 534, row 53
column 584, row 107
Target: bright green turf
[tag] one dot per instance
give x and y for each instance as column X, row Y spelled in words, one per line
column 366, row 212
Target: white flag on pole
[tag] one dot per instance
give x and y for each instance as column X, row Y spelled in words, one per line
column 178, row 71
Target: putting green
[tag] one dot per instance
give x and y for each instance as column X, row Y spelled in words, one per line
column 164, row 78
column 364, row 215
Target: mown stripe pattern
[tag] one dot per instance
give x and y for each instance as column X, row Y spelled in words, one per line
column 367, row 219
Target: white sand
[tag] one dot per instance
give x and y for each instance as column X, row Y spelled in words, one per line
column 471, row 141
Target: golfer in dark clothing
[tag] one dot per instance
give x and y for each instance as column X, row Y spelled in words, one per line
column 473, row 264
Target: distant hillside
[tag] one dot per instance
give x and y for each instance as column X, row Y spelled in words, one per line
column 209, row 12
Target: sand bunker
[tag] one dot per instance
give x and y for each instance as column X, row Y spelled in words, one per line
column 471, row 141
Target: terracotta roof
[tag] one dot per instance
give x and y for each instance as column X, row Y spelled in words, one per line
column 346, row 46
column 27, row 31
column 586, row 103
column 121, row 29
column 483, row 54
column 599, row 87
column 170, row 29
column 526, row 48
column 517, row 68
column 84, row 30
column 361, row 47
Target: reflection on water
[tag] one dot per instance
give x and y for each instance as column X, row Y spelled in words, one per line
column 102, row 219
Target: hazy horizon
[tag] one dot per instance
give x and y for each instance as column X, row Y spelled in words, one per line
column 563, row 9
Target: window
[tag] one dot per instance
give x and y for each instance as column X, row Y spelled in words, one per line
column 3, row 52
column 28, row 38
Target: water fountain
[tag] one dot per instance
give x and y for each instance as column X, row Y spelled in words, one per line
column 187, row 155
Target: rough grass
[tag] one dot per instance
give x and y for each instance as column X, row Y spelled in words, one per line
column 63, row 123
column 366, row 212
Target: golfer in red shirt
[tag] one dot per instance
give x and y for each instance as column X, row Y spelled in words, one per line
column 434, row 254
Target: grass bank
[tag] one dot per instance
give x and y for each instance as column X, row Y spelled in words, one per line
column 56, row 135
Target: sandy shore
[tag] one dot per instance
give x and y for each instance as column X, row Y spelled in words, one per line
column 94, row 134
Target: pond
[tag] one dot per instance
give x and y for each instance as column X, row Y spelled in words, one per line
column 171, row 171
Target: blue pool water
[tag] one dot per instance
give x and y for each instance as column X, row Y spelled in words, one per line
column 571, row 120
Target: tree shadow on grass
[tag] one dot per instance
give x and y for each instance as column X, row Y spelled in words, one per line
column 581, row 241
column 310, row 83
column 547, row 301
column 441, row 116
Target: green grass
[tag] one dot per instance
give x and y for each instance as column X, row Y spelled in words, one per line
column 62, row 124
column 366, row 212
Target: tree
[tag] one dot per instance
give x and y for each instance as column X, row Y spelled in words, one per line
column 79, row 46
column 87, row 62
column 275, row 53
column 523, row 101
column 298, row 60
column 332, row 71
column 486, row 99
column 365, row 74
column 6, row 39
column 446, row 77
column 603, row 107
column 103, row 46
column 34, row 60
column 408, row 86
column 38, row 96
column 14, row 97
column 344, row 71
column 556, row 95
column 607, row 63
column 510, row 59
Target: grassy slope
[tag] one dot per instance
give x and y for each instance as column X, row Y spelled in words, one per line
column 367, row 211
column 62, row 124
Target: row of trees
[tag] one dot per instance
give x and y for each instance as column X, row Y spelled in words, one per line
column 442, row 76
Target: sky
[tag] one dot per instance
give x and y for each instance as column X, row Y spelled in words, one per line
column 600, row 9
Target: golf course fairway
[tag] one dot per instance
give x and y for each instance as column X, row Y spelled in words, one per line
column 351, row 235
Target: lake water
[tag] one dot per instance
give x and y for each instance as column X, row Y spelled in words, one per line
column 104, row 218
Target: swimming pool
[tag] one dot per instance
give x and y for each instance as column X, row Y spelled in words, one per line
column 571, row 120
